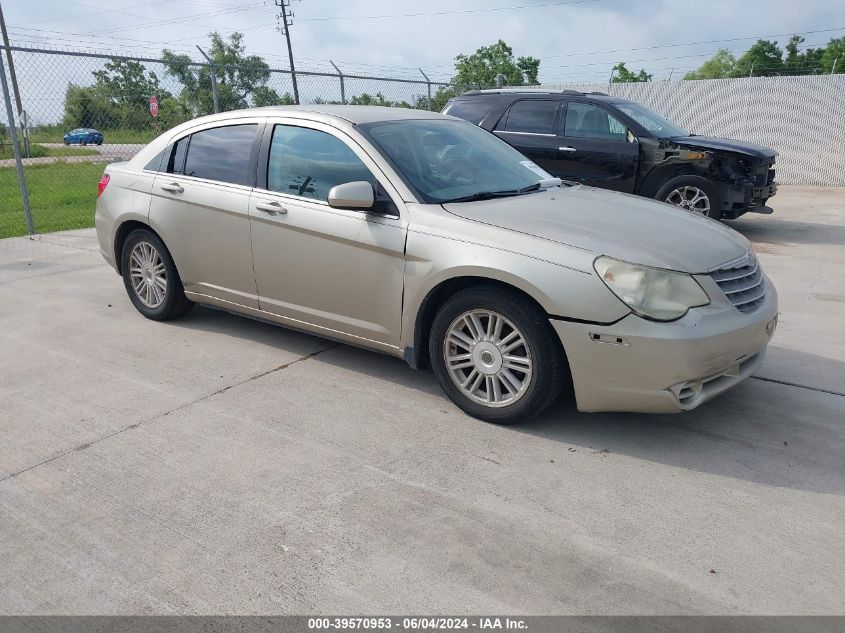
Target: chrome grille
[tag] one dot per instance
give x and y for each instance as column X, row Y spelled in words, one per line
column 742, row 285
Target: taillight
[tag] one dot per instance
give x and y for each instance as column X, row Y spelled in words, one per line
column 101, row 186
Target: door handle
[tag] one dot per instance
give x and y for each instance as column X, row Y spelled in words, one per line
column 567, row 148
column 271, row 207
column 173, row 187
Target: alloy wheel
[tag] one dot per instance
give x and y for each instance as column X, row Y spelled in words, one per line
column 147, row 274
column 488, row 358
column 690, row 198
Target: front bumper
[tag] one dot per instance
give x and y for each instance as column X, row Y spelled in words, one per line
column 642, row 366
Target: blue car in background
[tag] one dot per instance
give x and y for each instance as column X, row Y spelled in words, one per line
column 84, row 136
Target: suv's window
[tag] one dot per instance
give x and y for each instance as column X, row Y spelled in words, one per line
column 472, row 110
column 585, row 120
column 308, row 163
column 221, row 153
column 535, row 116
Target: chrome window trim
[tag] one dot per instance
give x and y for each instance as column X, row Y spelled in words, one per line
column 525, row 133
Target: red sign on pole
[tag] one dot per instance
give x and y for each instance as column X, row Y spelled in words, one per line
column 153, row 106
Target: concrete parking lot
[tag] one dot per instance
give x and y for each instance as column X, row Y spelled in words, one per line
column 218, row 465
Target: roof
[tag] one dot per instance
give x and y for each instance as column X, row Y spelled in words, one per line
column 352, row 113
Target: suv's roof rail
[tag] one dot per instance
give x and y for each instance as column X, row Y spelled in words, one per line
column 530, row 92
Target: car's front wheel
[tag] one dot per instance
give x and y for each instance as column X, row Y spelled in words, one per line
column 496, row 355
column 692, row 193
column 151, row 279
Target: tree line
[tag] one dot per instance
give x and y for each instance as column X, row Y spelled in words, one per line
column 765, row 58
column 119, row 96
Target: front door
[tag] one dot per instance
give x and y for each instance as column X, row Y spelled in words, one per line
column 336, row 271
column 597, row 149
column 200, row 208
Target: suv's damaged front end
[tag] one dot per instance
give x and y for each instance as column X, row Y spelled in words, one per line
column 743, row 172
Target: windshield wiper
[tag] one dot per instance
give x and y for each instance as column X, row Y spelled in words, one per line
column 484, row 195
column 489, row 195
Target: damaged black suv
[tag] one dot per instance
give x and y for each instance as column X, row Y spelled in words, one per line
column 617, row 144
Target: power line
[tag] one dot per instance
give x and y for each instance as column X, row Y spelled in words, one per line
column 179, row 20
column 456, row 12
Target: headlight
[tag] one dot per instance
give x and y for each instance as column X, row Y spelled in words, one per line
column 653, row 293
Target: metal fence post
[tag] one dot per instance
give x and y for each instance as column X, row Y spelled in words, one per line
column 213, row 70
column 342, row 83
column 13, row 133
column 214, row 97
column 428, row 83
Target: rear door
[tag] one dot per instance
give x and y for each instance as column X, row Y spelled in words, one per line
column 596, row 148
column 530, row 125
column 200, row 207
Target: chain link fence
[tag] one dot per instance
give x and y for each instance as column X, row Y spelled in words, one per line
column 74, row 112
column 57, row 97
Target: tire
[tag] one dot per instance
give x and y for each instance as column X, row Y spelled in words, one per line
column 145, row 263
column 688, row 188
column 540, row 385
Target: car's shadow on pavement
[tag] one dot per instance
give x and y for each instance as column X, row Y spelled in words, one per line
column 759, row 431
column 768, row 230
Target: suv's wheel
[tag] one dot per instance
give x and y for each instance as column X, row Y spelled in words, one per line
column 150, row 277
column 693, row 193
column 496, row 355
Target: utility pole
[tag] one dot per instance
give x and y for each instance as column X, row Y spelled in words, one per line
column 285, row 29
column 13, row 78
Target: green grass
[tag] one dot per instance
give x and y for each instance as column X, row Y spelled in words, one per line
column 39, row 151
column 54, row 134
column 62, row 196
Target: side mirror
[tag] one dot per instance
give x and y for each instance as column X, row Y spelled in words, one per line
column 352, row 195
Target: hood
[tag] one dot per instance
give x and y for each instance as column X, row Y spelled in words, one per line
column 725, row 145
column 630, row 228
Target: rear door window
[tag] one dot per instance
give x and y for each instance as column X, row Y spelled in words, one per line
column 532, row 116
column 176, row 156
column 221, row 153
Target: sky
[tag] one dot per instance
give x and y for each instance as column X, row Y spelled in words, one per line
column 576, row 40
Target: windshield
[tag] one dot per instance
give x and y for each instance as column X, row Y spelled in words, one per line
column 445, row 160
column 654, row 123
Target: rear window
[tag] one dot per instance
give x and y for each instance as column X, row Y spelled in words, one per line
column 221, row 153
column 472, row 110
column 534, row 116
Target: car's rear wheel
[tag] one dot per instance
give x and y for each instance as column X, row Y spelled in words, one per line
column 151, row 278
column 496, row 355
column 693, row 193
